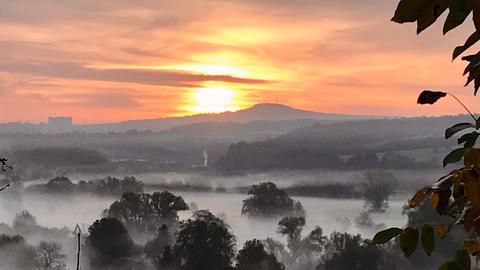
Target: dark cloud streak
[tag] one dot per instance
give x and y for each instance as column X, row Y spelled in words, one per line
column 77, row 71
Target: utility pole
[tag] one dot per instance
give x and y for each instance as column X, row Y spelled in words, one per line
column 78, row 232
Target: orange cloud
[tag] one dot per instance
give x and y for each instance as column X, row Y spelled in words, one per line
column 118, row 60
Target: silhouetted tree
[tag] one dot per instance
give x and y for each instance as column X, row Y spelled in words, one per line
column 314, row 244
column 15, row 253
column 108, row 186
column 55, row 157
column 111, row 186
column 276, row 248
column 109, row 242
column 254, row 257
column 267, row 200
column 204, row 242
column 147, row 212
column 292, row 228
column 159, row 249
column 60, row 185
column 378, row 188
column 48, row 256
column 130, row 184
column 350, row 252
column 24, row 220
column 303, row 252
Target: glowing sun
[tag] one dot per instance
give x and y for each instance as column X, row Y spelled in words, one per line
column 213, row 99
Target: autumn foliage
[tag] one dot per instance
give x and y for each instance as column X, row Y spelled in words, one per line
column 456, row 194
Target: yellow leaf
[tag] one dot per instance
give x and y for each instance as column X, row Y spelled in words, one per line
column 473, row 247
column 420, row 196
column 441, row 231
column 468, row 245
column 435, row 199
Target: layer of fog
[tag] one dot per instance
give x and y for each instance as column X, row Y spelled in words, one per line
column 409, row 180
column 330, row 214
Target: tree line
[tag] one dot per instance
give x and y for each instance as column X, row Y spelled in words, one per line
column 143, row 231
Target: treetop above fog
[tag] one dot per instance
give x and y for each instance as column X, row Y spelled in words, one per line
column 205, row 242
column 267, row 200
column 144, row 211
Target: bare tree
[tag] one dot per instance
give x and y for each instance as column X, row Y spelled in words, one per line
column 48, row 256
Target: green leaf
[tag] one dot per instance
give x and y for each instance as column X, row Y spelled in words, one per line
column 430, row 14
column 430, row 97
column 474, row 38
column 428, row 239
column 462, row 259
column 443, row 199
column 449, row 132
column 424, row 12
column 409, row 241
column 449, row 266
column 473, row 70
column 454, row 156
column 459, row 11
column 474, row 60
column 469, row 139
column 457, row 205
column 410, row 10
column 386, row 235
column 443, row 266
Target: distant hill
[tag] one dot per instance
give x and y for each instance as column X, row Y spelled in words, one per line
column 263, row 144
column 231, row 132
column 269, row 111
column 323, row 146
column 258, row 112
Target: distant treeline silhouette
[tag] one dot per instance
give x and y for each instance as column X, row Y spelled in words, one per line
column 348, row 145
column 108, row 186
column 289, row 144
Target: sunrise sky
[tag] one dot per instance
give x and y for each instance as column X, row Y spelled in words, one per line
column 103, row 61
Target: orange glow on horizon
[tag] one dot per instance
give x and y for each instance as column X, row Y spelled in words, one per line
column 213, row 100
column 172, row 58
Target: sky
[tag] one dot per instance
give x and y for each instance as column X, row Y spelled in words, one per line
column 114, row 60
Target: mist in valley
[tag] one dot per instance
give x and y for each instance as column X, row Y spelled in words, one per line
column 296, row 193
column 239, row 135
